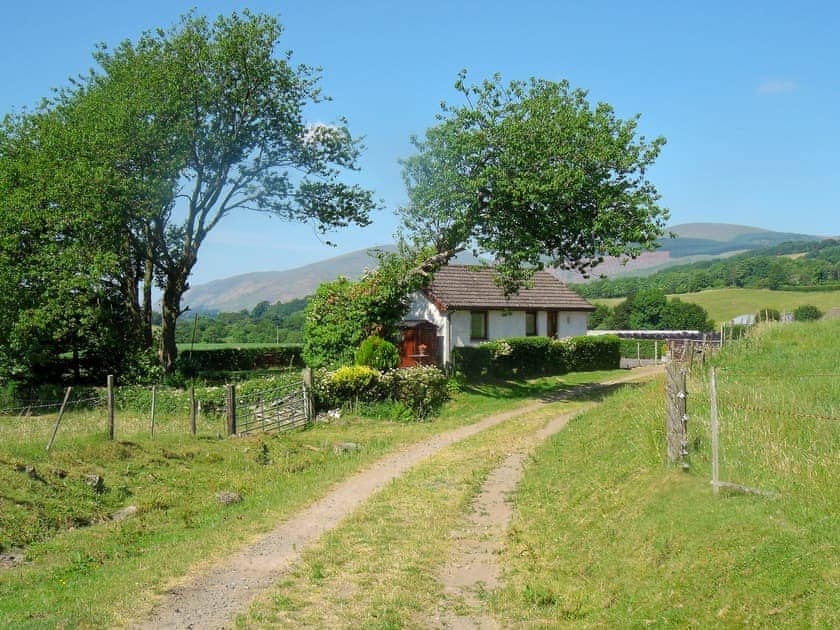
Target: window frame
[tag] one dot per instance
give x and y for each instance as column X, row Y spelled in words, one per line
column 484, row 317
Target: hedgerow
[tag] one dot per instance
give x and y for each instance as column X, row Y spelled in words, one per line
column 526, row 357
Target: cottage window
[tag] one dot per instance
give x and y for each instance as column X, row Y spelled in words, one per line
column 530, row 323
column 478, row 325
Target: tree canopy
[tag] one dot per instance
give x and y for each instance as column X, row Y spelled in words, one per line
column 170, row 135
column 533, row 174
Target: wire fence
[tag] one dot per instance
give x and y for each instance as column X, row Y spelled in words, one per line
column 278, row 404
column 758, row 433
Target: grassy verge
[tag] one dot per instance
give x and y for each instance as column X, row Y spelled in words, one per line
column 83, row 570
column 378, row 569
column 606, row 535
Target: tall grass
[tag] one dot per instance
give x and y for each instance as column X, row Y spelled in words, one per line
column 606, row 534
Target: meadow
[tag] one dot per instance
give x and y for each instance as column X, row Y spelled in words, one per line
column 724, row 304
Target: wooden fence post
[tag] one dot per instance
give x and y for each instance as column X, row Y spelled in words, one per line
column 676, row 416
column 308, row 395
column 152, row 414
column 109, row 384
column 230, row 408
column 714, row 422
column 639, row 353
column 58, row 420
column 193, row 427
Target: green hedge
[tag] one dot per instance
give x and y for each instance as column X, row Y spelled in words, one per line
column 193, row 362
column 526, row 357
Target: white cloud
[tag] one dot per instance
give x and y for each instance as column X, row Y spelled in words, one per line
column 777, row 86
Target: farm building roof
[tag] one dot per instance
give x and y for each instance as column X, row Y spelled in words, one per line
column 458, row 287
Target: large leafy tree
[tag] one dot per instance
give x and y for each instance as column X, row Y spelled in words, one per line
column 533, row 174
column 234, row 113
column 61, row 253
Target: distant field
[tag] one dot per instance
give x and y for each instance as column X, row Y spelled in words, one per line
column 724, row 304
column 183, row 347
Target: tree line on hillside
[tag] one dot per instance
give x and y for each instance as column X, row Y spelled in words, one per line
column 817, row 268
column 265, row 323
column 110, row 187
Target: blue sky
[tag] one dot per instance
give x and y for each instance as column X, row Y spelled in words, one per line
column 747, row 93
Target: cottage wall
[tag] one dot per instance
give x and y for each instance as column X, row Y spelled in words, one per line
column 571, row 323
column 454, row 327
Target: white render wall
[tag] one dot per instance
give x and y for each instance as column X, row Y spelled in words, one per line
column 422, row 308
column 571, row 323
column 455, row 326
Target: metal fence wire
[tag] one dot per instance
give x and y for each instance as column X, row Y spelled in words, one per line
column 276, row 409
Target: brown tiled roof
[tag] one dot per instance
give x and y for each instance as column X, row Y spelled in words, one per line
column 458, row 287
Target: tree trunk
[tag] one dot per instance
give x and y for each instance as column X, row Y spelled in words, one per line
column 175, row 287
column 148, row 278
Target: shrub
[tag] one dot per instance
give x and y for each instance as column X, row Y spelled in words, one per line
column 807, row 313
column 349, row 384
column 421, row 388
column 377, row 353
column 534, row 356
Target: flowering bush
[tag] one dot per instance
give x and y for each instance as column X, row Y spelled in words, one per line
column 421, row 388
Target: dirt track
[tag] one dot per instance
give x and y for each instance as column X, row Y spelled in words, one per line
column 214, row 598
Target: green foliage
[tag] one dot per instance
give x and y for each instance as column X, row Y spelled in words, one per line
column 342, row 313
column 767, row 315
column 199, row 361
column 600, row 317
column 649, row 309
column 208, row 104
column 532, row 172
column 525, row 357
column 807, row 312
column 378, row 353
column 770, row 268
column 349, row 384
column 420, row 389
column 275, row 323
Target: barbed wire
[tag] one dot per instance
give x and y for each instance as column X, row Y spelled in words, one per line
column 26, row 409
column 778, row 376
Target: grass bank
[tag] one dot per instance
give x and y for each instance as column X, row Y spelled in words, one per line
column 84, row 570
column 605, row 534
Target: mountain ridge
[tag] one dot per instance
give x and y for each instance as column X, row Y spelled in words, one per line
column 695, row 241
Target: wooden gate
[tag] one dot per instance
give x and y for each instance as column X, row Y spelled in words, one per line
column 278, row 409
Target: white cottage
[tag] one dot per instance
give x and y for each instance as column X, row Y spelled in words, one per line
column 464, row 306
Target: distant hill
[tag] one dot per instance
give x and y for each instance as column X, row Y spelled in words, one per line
column 695, row 241
column 249, row 289
column 714, row 239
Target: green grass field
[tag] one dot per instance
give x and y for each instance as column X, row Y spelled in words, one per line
column 724, row 304
column 84, row 570
column 183, row 347
column 607, row 535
